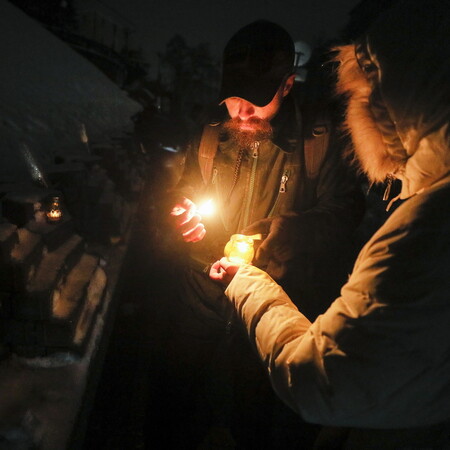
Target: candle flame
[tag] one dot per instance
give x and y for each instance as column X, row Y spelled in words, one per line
column 54, row 214
column 242, row 247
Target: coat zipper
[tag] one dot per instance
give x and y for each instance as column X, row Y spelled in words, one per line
column 284, row 180
column 281, row 190
column 251, row 186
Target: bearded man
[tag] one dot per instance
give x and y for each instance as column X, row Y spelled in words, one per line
column 270, row 169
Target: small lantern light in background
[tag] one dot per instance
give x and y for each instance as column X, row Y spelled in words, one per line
column 206, row 209
column 84, row 137
column 54, row 211
column 239, row 249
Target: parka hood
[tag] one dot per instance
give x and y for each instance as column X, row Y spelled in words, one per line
column 397, row 78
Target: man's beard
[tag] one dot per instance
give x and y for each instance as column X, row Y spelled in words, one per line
column 260, row 130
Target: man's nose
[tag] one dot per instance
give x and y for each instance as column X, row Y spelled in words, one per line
column 246, row 110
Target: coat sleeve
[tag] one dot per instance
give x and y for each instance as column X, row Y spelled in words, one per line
column 307, row 368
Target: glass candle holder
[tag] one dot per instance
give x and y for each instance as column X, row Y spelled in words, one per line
column 239, row 249
column 54, row 212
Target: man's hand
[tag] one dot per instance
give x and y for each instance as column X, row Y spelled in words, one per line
column 223, row 271
column 186, row 220
column 280, row 246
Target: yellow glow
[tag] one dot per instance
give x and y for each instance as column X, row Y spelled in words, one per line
column 242, row 247
column 236, row 259
column 54, row 214
column 239, row 249
column 207, row 209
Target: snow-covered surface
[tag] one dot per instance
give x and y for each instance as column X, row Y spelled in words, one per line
column 48, row 92
column 41, row 399
column 40, row 402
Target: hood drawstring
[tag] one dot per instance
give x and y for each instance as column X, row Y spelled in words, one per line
column 390, row 181
column 388, row 207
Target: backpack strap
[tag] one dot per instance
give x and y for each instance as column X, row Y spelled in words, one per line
column 316, row 145
column 207, row 150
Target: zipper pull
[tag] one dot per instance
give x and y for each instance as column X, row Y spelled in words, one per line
column 214, row 175
column 255, row 147
column 283, row 182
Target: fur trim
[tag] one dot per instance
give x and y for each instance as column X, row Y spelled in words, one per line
column 369, row 151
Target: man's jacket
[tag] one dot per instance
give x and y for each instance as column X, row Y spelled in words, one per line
column 379, row 357
column 300, row 176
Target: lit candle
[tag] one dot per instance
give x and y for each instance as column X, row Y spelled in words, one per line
column 54, row 213
column 239, row 249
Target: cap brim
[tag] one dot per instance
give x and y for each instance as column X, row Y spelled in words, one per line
column 259, row 92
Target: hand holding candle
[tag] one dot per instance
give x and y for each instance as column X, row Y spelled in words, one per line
column 223, row 271
column 280, row 245
column 239, row 250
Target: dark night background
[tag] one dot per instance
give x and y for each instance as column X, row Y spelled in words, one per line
column 213, row 22
column 166, row 55
column 163, row 60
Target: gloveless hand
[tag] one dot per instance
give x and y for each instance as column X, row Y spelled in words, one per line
column 223, row 271
column 279, row 247
column 186, row 221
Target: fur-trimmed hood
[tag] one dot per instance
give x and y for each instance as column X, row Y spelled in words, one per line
column 397, row 79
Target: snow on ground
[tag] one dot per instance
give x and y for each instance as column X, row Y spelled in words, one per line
column 47, row 93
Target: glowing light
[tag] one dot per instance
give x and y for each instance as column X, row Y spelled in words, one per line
column 54, row 213
column 207, row 209
column 242, row 247
column 239, row 249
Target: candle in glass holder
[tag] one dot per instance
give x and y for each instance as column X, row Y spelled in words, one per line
column 54, row 212
column 239, row 249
